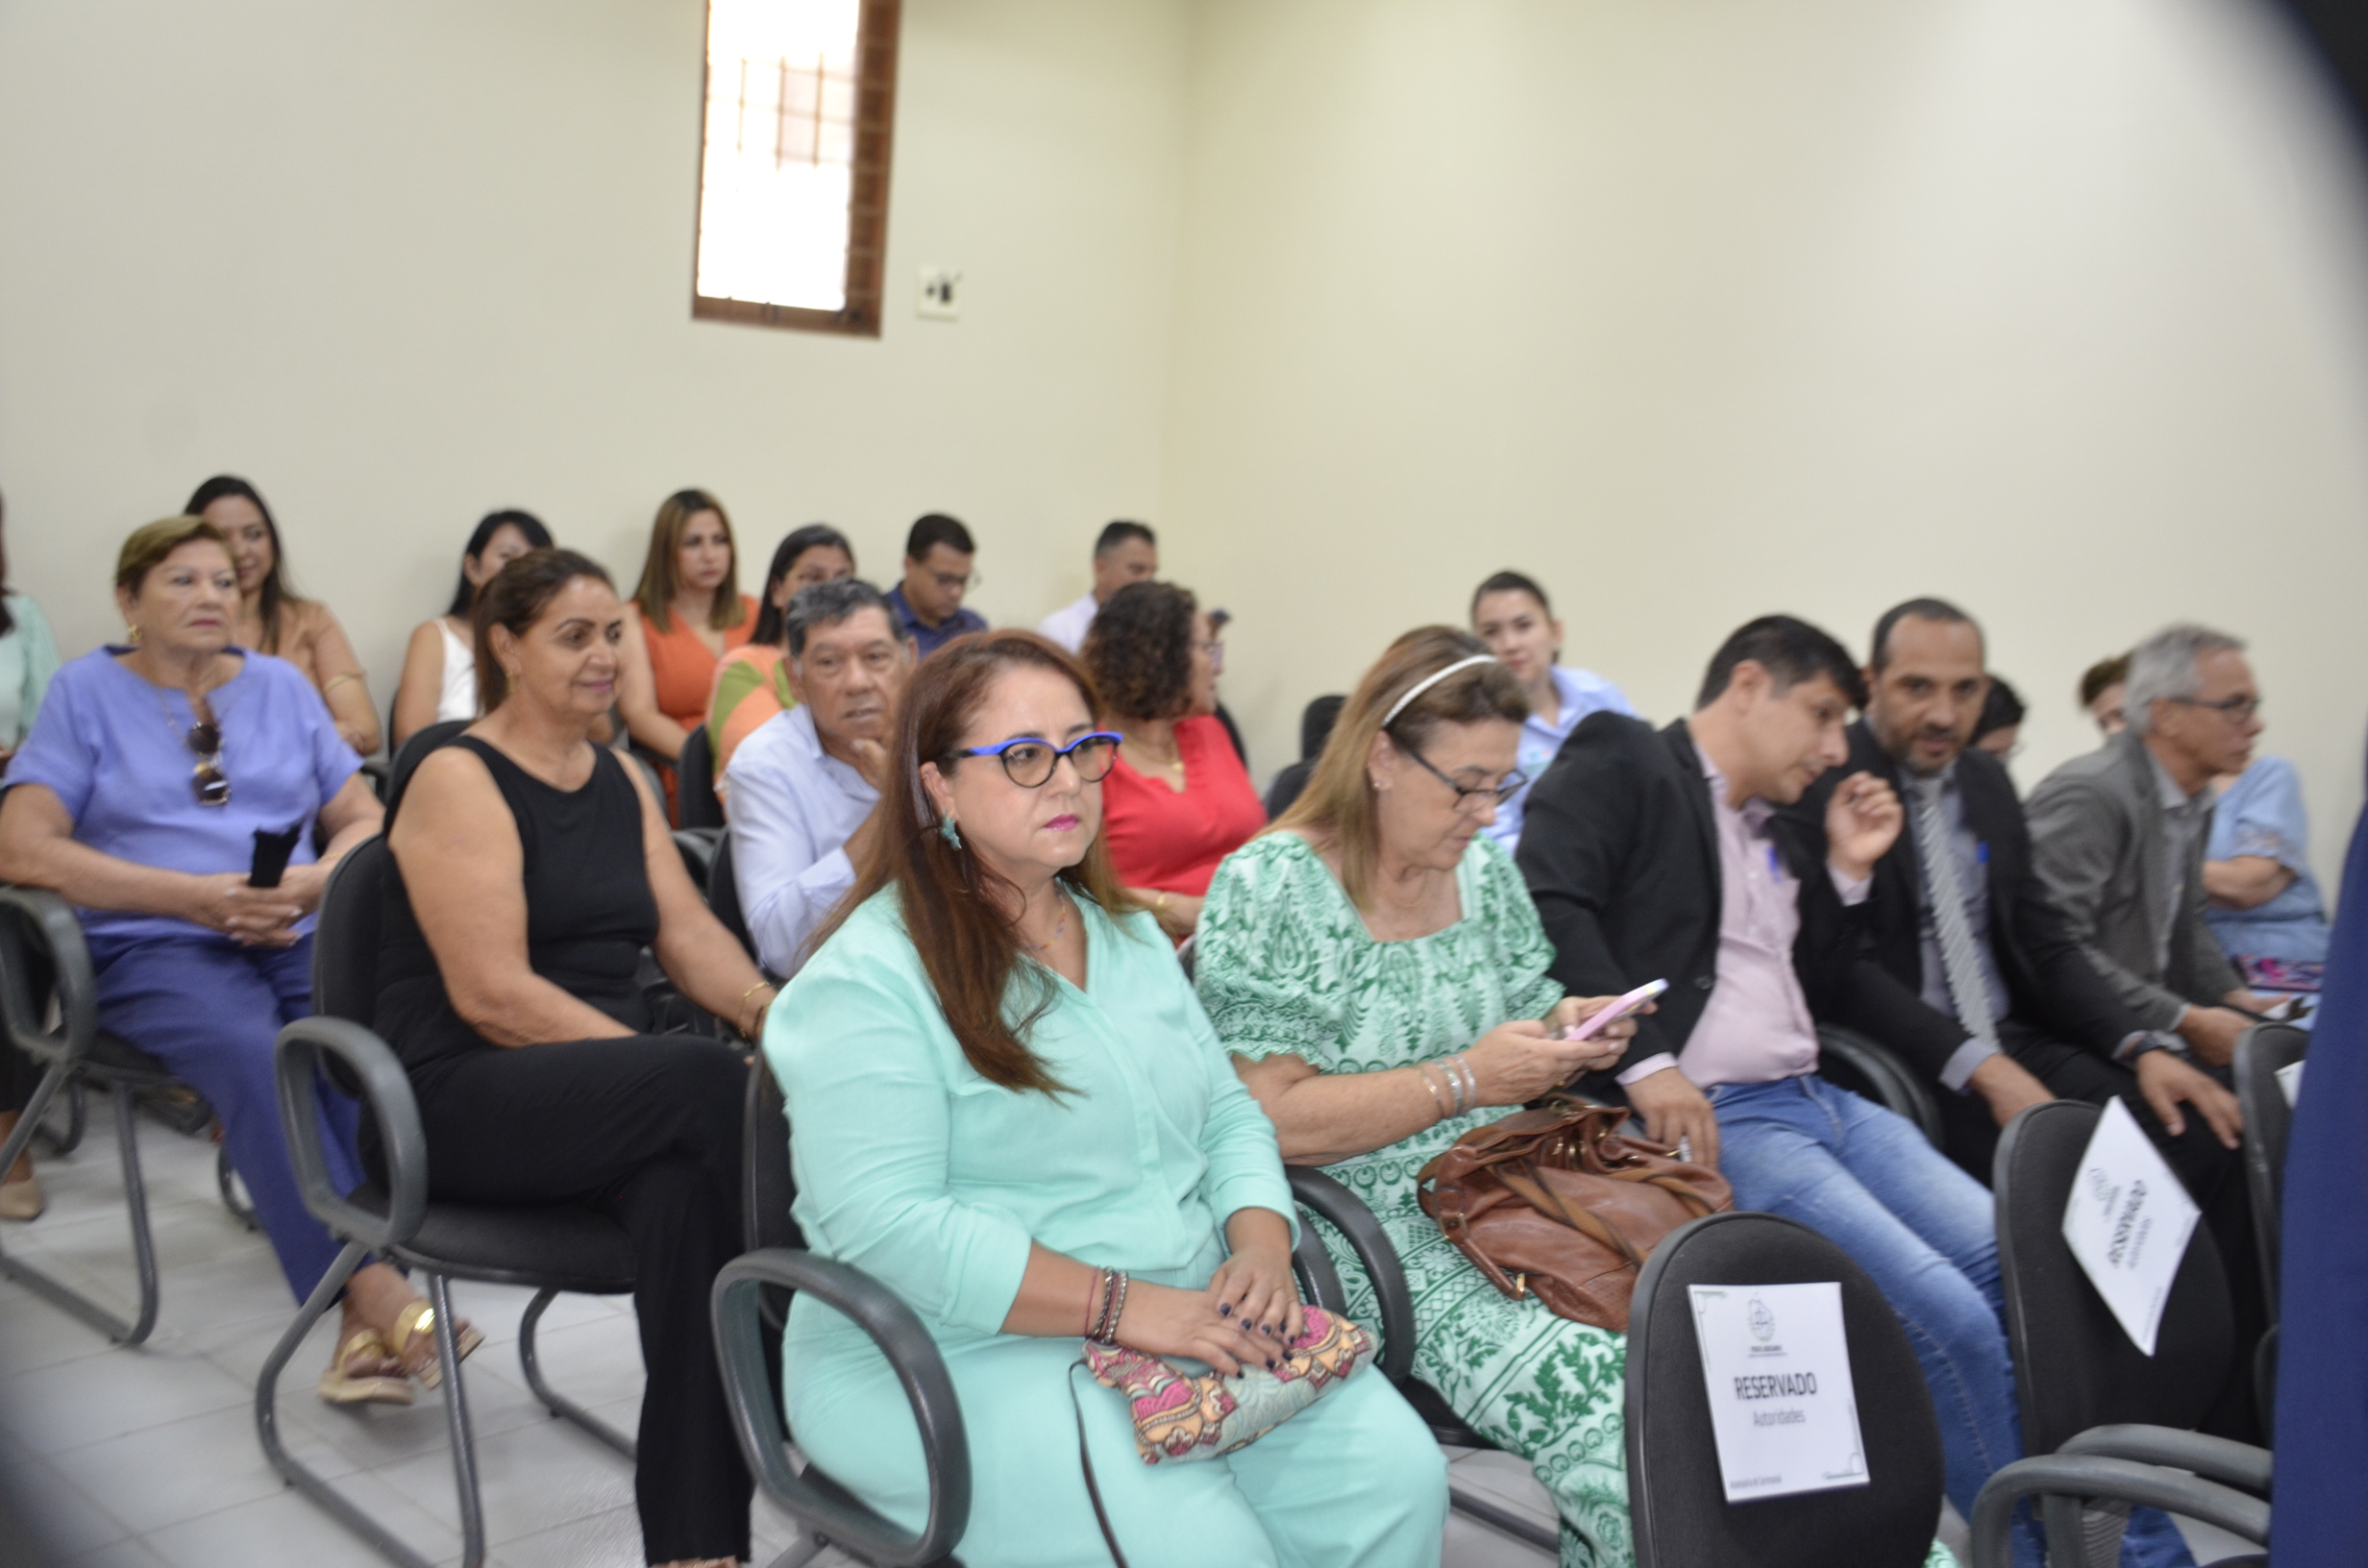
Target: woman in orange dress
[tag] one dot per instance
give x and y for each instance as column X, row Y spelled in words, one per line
column 274, row 619
column 687, row 612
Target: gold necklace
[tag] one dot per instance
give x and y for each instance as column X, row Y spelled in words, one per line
column 1059, row 930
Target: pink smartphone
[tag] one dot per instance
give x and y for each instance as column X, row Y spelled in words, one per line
column 1618, row 1011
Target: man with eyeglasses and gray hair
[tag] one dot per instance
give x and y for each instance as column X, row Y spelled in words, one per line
column 2117, row 838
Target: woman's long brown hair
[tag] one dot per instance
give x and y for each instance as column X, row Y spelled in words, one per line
column 661, row 569
column 969, row 947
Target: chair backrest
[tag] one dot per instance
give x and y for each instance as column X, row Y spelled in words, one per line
column 42, row 954
column 767, row 1188
column 723, row 895
column 414, row 750
column 698, row 846
column 345, row 946
column 1316, row 722
column 695, row 800
column 2262, row 1051
column 1850, row 1061
column 2074, row 1365
column 1677, row 1499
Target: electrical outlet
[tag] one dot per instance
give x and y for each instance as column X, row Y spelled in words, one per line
column 941, row 293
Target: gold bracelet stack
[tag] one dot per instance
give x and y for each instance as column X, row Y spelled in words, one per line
column 749, row 1020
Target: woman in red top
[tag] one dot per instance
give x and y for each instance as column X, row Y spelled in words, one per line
column 1179, row 799
column 687, row 612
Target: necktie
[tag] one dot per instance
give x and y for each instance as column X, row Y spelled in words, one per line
column 1959, row 961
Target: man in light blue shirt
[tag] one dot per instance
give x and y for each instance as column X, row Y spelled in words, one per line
column 1510, row 614
column 802, row 784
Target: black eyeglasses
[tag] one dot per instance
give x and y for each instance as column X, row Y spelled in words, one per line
column 212, row 786
column 1499, row 793
column 2234, row 709
column 1029, row 763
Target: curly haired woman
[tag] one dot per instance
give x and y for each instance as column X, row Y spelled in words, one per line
column 1179, row 799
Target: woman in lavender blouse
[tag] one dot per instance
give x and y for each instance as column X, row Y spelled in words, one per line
column 139, row 793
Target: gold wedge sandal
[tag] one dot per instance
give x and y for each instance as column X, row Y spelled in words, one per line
column 359, row 1374
column 416, row 1324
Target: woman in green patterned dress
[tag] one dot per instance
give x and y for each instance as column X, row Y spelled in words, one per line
column 1375, row 966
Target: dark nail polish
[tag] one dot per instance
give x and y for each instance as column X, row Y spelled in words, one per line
column 1274, row 1366
column 1224, row 1309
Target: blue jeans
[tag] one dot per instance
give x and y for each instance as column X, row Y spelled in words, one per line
column 1926, row 1234
column 210, row 1011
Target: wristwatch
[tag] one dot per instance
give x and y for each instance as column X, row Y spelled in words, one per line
column 2151, row 1040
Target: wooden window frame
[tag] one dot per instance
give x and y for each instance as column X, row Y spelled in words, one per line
column 876, row 29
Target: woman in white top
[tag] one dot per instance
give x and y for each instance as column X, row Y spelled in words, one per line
column 439, row 668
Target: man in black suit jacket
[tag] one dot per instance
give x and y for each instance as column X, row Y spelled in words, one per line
column 2042, row 1022
column 1660, row 855
column 2056, row 1027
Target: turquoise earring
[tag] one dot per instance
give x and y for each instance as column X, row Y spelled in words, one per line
column 948, row 832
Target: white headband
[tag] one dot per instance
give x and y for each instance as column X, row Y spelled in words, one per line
column 1430, row 680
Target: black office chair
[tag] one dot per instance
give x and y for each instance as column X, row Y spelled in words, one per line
column 697, row 847
column 723, row 895
column 751, row 1294
column 1676, row 1496
column 1325, row 1198
column 696, row 802
column 1316, row 722
column 1849, row 1060
column 2263, row 1052
column 42, row 954
column 549, row 1248
column 2084, row 1388
column 414, row 750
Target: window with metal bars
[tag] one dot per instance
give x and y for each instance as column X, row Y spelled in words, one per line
column 792, row 176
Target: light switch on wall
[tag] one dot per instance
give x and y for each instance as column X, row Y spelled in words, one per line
column 941, row 293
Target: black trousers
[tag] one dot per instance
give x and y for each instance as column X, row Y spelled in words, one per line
column 646, row 1129
column 2215, row 1176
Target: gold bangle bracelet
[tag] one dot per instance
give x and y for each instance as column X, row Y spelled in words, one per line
column 331, row 684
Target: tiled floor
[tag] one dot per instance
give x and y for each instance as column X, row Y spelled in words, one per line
column 148, row 1459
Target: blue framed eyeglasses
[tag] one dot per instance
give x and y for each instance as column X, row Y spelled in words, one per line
column 1029, row 762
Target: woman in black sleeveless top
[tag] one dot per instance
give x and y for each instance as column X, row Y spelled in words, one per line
column 534, row 869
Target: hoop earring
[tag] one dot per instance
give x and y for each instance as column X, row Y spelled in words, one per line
column 950, row 833
column 131, row 634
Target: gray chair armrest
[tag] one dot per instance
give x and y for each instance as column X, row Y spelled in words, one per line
column 1345, row 1211
column 2216, row 1458
column 387, row 1095
column 891, row 1325
column 2089, row 1475
column 1894, row 1081
column 43, row 911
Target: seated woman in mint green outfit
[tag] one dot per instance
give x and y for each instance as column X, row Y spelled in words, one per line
column 1000, row 1083
column 1375, row 966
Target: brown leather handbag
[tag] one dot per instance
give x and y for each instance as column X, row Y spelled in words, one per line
column 1554, row 1202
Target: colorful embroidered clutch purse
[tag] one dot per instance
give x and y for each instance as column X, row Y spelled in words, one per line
column 1181, row 1416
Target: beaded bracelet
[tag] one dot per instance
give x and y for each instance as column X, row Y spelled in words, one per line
column 1114, row 1307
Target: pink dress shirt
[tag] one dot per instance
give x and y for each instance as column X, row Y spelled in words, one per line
column 1755, row 1027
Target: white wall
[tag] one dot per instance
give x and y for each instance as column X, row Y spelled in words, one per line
column 1697, row 311
column 401, row 265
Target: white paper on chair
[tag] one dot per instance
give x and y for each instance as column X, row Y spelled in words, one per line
column 2127, row 1221
column 2290, row 1079
column 1783, row 1410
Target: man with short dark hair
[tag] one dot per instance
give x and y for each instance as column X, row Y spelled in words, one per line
column 1959, row 921
column 802, row 784
column 1509, row 613
column 1663, row 856
column 1125, row 553
column 927, row 604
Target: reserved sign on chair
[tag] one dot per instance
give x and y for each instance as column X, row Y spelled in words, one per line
column 1776, row 1361
column 2127, row 1221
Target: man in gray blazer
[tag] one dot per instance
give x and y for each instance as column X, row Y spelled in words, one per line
column 2117, row 838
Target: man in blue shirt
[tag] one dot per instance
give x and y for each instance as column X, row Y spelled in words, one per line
column 1510, row 614
column 927, row 604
